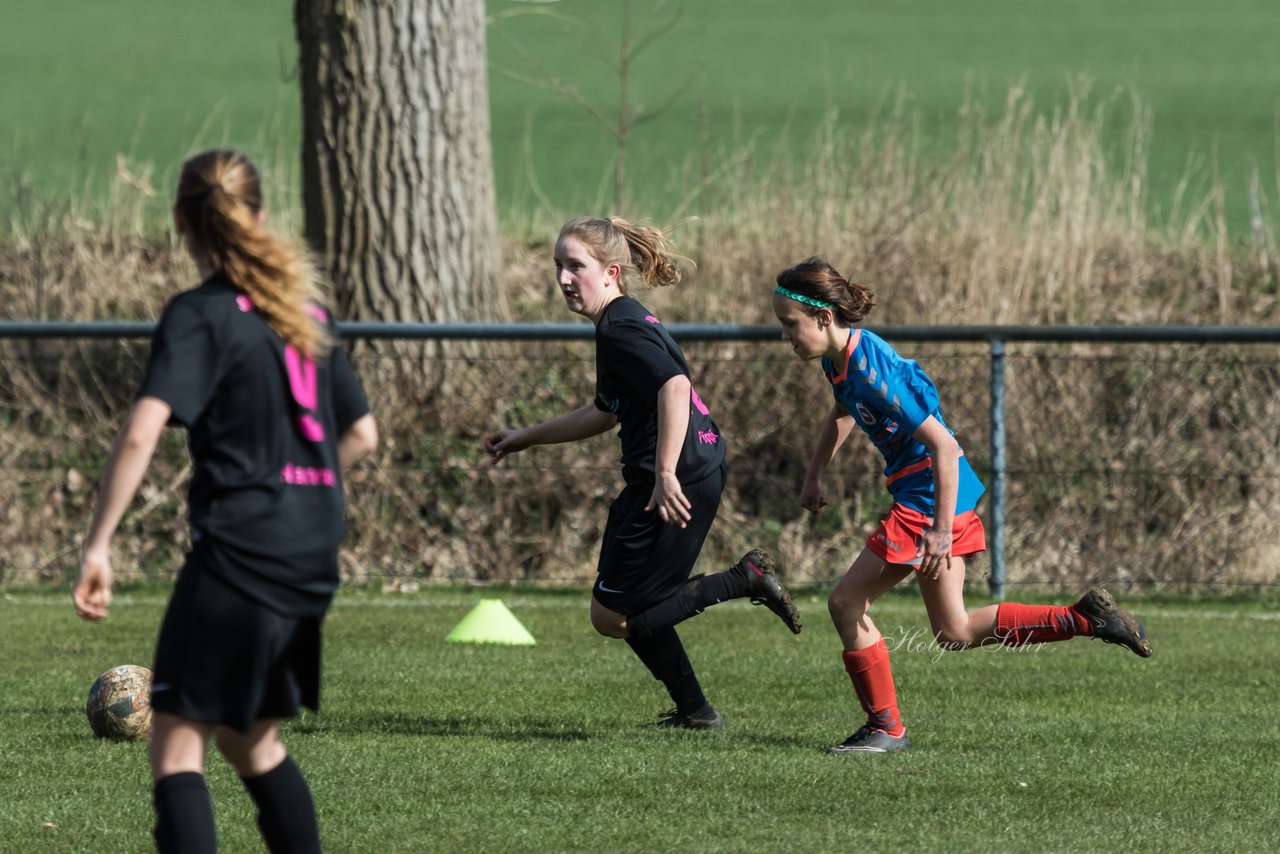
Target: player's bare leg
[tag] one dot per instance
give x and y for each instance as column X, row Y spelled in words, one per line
column 1012, row 624
column 866, row 656
column 606, row 621
column 867, row 579
column 953, row 627
column 286, row 810
column 184, row 810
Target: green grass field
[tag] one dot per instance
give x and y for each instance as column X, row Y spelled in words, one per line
column 150, row 80
column 427, row 746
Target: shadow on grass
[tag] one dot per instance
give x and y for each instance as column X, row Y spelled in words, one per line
column 394, row 723
column 520, row 728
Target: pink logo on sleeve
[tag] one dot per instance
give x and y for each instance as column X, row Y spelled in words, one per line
column 707, row 437
column 243, row 301
column 651, row 318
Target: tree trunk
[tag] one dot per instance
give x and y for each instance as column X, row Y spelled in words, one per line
column 396, row 161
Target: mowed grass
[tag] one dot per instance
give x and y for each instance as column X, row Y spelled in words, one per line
column 152, row 81
column 422, row 745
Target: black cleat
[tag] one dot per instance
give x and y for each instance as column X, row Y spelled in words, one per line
column 871, row 739
column 765, row 588
column 1111, row 623
column 705, row 718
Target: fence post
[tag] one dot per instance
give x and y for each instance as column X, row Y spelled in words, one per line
column 996, row 582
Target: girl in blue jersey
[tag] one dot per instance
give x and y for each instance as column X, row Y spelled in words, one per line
column 932, row 527
column 274, row 413
column 672, row 461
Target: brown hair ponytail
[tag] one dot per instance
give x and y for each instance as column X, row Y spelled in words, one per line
column 816, row 279
column 639, row 250
column 220, row 202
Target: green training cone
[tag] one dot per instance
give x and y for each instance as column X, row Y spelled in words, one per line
column 490, row 622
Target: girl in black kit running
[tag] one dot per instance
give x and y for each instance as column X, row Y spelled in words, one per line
column 274, row 413
column 672, row 462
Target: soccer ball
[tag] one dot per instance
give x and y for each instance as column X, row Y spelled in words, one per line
column 119, row 704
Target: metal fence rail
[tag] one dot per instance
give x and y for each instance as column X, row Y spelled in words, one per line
column 996, row 338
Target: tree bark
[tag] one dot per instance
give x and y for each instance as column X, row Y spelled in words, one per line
column 396, row 161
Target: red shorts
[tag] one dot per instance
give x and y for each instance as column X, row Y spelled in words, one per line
column 897, row 540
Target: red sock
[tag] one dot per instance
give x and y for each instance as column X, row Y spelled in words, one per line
column 1017, row 625
column 873, row 683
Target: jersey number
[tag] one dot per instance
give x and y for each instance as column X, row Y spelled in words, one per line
column 302, row 384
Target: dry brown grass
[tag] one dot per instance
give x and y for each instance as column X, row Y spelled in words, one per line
column 1149, row 465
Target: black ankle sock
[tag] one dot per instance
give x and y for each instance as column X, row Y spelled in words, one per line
column 286, row 812
column 184, row 815
column 665, row 657
column 692, row 599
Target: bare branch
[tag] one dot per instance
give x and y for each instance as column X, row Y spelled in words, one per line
column 642, row 116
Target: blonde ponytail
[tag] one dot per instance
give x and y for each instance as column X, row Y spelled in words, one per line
column 220, row 200
column 640, row 251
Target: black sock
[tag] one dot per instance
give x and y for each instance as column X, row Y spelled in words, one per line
column 184, row 815
column 693, row 598
column 665, row 657
column 286, row 812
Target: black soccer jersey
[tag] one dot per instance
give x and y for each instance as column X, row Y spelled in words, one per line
column 263, row 426
column 635, row 357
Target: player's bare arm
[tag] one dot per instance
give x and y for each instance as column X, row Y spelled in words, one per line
column 835, row 429
column 130, row 455
column 357, row 441
column 945, row 453
column 582, row 423
column 673, row 422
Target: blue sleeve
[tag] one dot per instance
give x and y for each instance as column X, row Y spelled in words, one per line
column 900, row 389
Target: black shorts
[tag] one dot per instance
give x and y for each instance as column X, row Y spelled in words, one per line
column 223, row 658
column 643, row 560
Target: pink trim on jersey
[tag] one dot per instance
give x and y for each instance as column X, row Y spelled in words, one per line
column 697, row 403
column 854, row 337
column 651, row 318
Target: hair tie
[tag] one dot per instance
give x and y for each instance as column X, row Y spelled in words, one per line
column 816, row 303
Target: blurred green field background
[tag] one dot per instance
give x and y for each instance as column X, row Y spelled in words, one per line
column 88, row 83
column 422, row 745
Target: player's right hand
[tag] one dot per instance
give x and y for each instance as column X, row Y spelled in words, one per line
column 502, row 443
column 92, row 591
column 811, row 497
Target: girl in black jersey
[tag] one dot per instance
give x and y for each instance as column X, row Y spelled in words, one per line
column 274, row 413
column 672, row 462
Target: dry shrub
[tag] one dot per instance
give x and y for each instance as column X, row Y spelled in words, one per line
column 1147, row 465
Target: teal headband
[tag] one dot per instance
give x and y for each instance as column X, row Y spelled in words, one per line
column 816, row 303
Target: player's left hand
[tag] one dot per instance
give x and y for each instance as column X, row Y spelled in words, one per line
column 935, row 553
column 668, row 498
